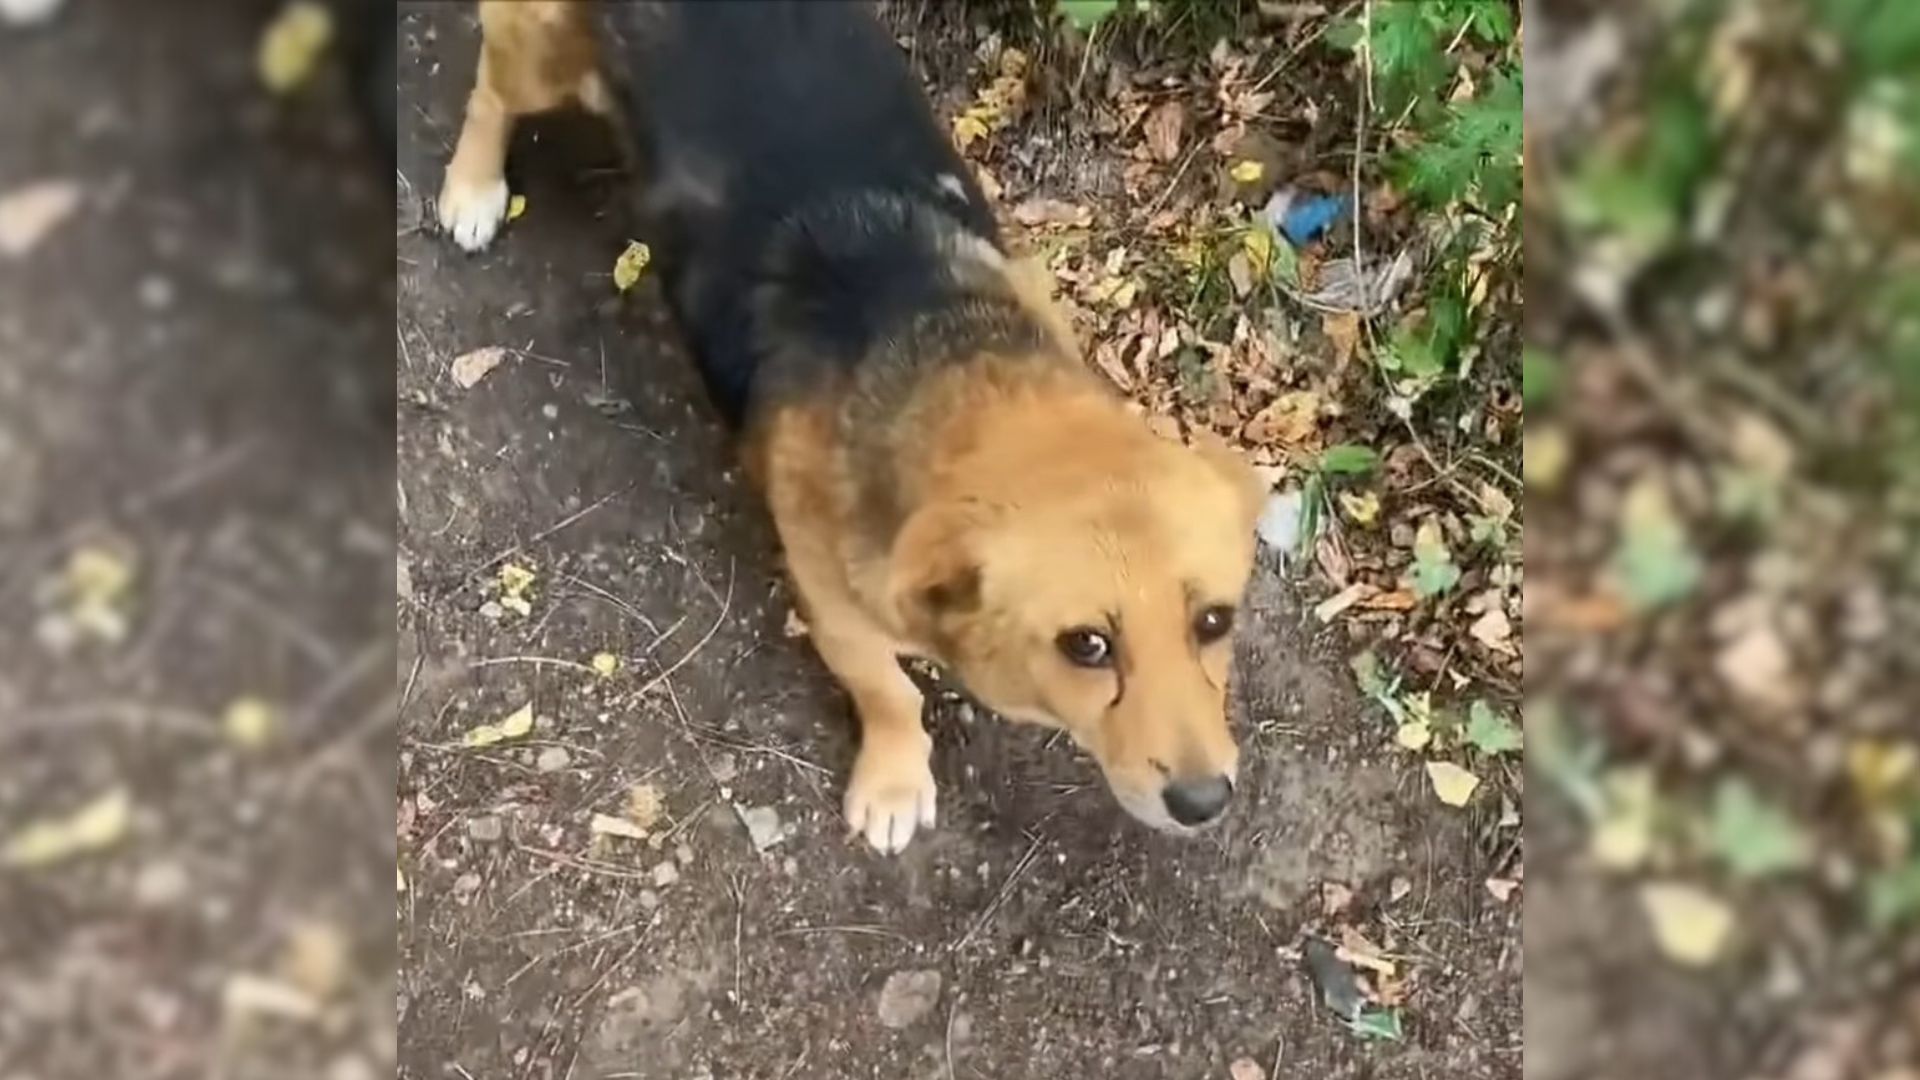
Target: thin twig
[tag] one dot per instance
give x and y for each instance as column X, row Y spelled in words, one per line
column 1006, row 888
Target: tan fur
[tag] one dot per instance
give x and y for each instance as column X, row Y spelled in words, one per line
column 1032, row 501
column 535, row 56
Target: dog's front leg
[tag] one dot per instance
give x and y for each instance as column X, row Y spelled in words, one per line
column 891, row 792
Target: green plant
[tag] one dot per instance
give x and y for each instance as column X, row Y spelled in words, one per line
column 1347, row 459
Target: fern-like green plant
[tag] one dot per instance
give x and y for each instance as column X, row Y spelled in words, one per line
column 1472, row 154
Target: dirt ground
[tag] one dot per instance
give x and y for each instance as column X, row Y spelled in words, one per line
column 193, row 379
column 1036, row 932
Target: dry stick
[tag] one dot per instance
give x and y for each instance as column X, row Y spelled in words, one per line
column 624, row 606
column 544, row 661
column 726, row 608
column 514, row 549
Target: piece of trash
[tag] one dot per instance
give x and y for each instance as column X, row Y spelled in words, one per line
column 1453, row 784
column 1368, row 292
column 29, row 213
column 1690, row 924
column 94, row 827
column 1382, row 1024
column 763, row 825
column 250, row 723
column 470, row 367
column 631, row 263
column 1302, row 218
column 604, row 664
column 290, row 47
column 1279, row 523
column 1338, row 987
column 517, row 724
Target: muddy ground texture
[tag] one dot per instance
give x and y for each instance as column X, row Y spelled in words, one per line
column 1036, row 932
column 193, row 388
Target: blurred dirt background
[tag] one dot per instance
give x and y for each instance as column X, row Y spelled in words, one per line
column 1723, row 480
column 620, row 767
column 196, row 751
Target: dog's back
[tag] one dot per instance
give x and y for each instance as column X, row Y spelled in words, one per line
column 786, row 142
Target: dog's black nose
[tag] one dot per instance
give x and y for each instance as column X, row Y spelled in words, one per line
column 1196, row 802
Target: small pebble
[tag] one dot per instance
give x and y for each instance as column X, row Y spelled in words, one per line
column 666, row 874
column 553, row 759
column 907, row 996
column 486, row 828
column 649, row 899
column 763, row 826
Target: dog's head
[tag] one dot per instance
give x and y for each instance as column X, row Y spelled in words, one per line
column 1086, row 575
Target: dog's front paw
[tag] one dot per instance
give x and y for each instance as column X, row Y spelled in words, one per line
column 471, row 212
column 891, row 793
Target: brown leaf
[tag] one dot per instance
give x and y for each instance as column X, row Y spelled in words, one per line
column 1164, row 127
column 1293, row 418
column 469, row 368
column 1494, row 631
column 1343, row 332
column 1329, row 609
column 1397, row 600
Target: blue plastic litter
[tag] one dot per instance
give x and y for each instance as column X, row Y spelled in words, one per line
column 1305, row 219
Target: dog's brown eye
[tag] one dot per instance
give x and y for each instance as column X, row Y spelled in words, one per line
column 1085, row 647
column 1212, row 624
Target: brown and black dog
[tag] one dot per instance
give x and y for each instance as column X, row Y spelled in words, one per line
column 947, row 478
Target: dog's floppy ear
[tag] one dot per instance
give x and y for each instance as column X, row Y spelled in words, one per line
column 934, row 570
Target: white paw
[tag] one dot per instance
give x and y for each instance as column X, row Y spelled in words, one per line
column 472, row 214
column 889, row 797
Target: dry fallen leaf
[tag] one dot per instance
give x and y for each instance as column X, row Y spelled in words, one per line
column 1041, row 211
column 1246, row 1069
column 247, row 995
column 317, row 958
column 290, row 47
column 517, row 724
column 1690, row 924
column 1495, row 631
column 516, row 206
column 1163, row 129
column 1247, row 172
column 1343, row 332
column 1415, row 735
column 1453, row 784
column 470, row 367
column 515, row 580
column 608, row 825
column 604, row 664
column 1362, row 508
column 94, row 827
column 645, row 805
column 29, row 213
column 1502, row 888
column 1355, row 949
column 631, row 263
column 1330, row 609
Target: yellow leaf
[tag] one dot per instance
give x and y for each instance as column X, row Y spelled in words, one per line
column 1623, row 833
column 399, row 879
column 1362, row 509
column 291, row 46
column 1880, row 768
column 1247, row 172
column 515, row 579
column 628, row 267
column 516, row 206
column 1414, row 734
column 1452, row 783
column 1259, row 246
column 604, row 664
column 1691, row 925
column 968, row 128
column 517, row 724
column 250, row 723
column 96, row 826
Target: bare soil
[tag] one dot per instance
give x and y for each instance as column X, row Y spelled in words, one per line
column 193, row 376
column 1062, row 938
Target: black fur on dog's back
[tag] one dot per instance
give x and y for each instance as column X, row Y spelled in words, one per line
column 792, row 171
